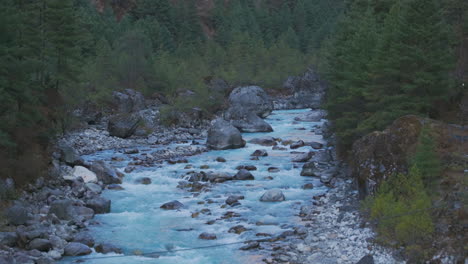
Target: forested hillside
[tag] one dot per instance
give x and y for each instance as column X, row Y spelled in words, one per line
column 393, row 58
column 59, row 54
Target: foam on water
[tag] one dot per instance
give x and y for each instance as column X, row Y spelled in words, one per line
column 137, row 224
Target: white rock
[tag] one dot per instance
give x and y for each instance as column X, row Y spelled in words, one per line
column 87, row 175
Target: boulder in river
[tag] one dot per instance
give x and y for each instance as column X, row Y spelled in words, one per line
column 274, row 195
column 222, row 135
column 232, row 199
column 105, row 172
column 252, row 98
column 100, row 205
column 304, row 157
column 143, row 180
column 173, row 205
column 207, row 236
column 243, row 175
column 76, row 249
column 312, row 116
column 84, row 238
column 266, row 141
column 259, row 153
column 238, row 229
column 246, row 121
column 105, row 248
column 309, row 169
column 297, row 144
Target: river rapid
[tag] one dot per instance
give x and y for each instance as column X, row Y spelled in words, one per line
column 138, row 225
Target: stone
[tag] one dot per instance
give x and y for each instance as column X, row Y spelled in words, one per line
column 232, row 199
column 105, row 248
column 266, row 141
column 40, row 244
column 173, row 205
column 253, row 98
column 303, row 157
column 143, row 180
column 243, row 175
column 251, row 245
column 17, row 215
column 105, row 172
column 220, row 159
column 8, row 239
column 115, row 187
column 207, row 236
column 131, row 151
column 309, row 169
column 238, row 229
column 259, row 153
column 100, row 205
column 297, row 144
column 69, row 155
column 314, row 145
column 84, row 238
column 85, row 174
column 93, row 187
column 76, row 249
column 128, row 101
column 273, row 169
column 307, row 186
column 222, row 135
column 273, row 196
column 312, row 116
column 123, row 125
column 369, row 259
column 246, row 121
column 66, row 210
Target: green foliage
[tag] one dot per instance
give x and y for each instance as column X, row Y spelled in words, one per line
column 426, row 159
column 401, row 209
column 387, row 60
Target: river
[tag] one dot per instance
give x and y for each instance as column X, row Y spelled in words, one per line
column 137, row 224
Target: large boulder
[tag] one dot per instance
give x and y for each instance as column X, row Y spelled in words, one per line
column 380, row 154
column 40, row 244
column 252, row 98
column 67, row 210
column 76, row 249
column 265, row 141
column 222, row 135
column 69, row 155
column 100, row 205
column 246, row 120
column 243, row 175
column 123, row 125
column 274, row 195
column 85, row 174
column 128, row 101
column 105, row 173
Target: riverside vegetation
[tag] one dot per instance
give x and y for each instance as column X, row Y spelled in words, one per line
column 382, row 60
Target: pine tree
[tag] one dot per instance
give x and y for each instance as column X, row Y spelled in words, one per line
column 349, row 65
column 426, row 159
column 412, row 64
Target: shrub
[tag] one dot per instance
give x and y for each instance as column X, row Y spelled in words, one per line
column 400, row 208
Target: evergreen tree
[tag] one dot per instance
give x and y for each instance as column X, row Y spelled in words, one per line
column 426, row 159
